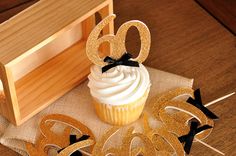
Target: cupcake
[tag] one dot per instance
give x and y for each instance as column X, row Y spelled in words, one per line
column 119, row 94
column 119, row 84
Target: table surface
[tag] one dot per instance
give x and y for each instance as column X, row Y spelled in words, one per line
column 222, row 10
column 187, row 41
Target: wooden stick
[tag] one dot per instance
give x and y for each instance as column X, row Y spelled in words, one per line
column 209, row 104
column 214, row 149
column 219, row 99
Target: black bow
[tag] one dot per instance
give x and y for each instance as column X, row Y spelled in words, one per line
column 188, row 138
column 197, row 102
column 73, row 140
column 124, row 60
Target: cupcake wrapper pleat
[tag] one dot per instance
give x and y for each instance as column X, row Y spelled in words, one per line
column 120, row 114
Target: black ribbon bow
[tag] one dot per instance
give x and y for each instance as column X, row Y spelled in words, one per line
column 197, row 102
column 124, row 60
column 73, row 140
column 188, row 138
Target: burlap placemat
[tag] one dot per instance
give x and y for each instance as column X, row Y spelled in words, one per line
column 77, row 104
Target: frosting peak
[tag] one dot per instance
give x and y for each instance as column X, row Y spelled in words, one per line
column 119, row 85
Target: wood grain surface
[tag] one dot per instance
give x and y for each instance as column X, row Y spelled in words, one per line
column 9, row 8
column 187, row 41
column 222, row 10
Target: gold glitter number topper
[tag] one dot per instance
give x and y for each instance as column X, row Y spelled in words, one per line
column 117, row 42
column 178, row 123
column 49, row 139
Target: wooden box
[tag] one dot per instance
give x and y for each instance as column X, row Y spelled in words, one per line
column 42, row 53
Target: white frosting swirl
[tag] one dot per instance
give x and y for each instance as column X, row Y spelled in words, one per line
column 118, row 85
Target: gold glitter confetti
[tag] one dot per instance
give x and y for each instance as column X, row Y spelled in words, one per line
column 117, row 42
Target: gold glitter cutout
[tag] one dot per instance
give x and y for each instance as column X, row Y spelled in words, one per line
column 126, row 147
column 74, row 147
column 48, row 138
column 177, row 122
column 117, row 42
column 165, row 142
column 167, row 96
column 161, row 141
